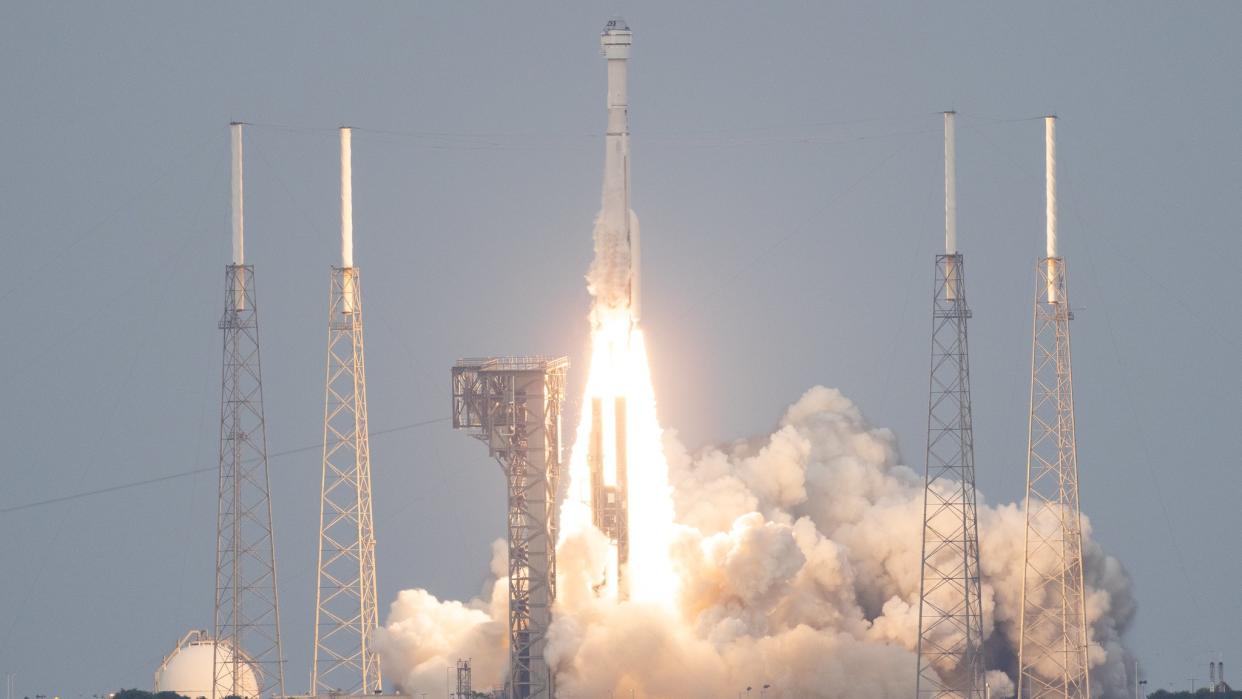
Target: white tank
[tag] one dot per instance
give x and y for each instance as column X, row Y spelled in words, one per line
column 187, row 670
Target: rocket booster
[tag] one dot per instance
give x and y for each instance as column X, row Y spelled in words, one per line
column 616, row 214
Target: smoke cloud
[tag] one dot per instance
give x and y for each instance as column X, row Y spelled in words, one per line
column 608, row 278
column 798, row 555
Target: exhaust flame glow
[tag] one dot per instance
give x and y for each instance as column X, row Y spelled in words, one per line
column 619, row 369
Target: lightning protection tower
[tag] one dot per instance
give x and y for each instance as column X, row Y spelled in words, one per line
column 1052, row 655
column 514, row 406
column 950, row 646
column 346, row 613
column 247, row 611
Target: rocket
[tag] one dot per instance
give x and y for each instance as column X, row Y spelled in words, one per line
column 615, row 213
column 617, row 237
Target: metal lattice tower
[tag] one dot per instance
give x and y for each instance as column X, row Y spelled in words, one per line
column 1053, row 652
column 950, row 646
column 464, row 689
column 247, row 609
column 346, row 610
column 514, row 406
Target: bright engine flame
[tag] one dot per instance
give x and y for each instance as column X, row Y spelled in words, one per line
column 619, row 369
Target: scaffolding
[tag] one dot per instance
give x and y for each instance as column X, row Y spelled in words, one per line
column 513, row 404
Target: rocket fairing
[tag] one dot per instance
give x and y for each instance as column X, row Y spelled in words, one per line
column 616, row 217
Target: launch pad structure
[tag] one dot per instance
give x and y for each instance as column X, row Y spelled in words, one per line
column 247, row 611
column 346, row 610
column 950, row 645
column 513, row 404
column 1052, row 655
column 465, row 689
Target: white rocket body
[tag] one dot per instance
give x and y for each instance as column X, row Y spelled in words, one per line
column 615, row 212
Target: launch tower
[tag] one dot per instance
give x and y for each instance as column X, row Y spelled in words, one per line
column 346, row 612
column 464, row 688
column 950, row 647
column 247, row 610
column 513, row 404
column 1052, row 655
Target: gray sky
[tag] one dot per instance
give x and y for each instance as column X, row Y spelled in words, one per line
column 787, row 170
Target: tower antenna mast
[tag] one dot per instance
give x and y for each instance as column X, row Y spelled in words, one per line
column 247, row 659
column 950, row 646
column 346, row 609
column 1052, row 653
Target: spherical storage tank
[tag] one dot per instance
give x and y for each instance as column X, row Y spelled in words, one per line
column 188, row 669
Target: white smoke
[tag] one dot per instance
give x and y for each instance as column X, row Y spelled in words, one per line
column 799, row 558
column 608, row 278
column 425, row 635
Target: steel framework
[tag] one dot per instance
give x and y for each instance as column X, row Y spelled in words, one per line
column 346, row 611
column 247, row 610
column 1053, row 650
column 464, row 689
column 950, row 653
column 514, row 406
